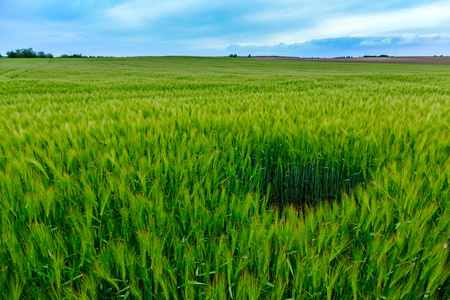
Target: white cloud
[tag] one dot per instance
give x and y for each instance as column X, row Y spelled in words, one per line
column 430, row 19
column 409, row 39
column 384, row 41
column 284, row 10
column 137, row 13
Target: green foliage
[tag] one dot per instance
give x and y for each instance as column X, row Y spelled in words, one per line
column 382, row 55
column 182, row 178
column 13, row 54
column 28, row 53
column 73, row 56
column 42, row 54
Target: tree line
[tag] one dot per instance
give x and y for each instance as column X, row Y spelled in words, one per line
column 29, row 53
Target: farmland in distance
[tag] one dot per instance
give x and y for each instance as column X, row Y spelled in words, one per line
column 214, row 178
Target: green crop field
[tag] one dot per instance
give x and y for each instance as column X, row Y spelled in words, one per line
column 215, row 178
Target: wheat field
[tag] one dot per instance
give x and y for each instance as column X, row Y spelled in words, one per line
column 223, row 178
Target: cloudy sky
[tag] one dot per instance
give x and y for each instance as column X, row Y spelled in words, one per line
column 322, row 28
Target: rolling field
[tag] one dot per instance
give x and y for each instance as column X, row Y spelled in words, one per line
column 223, row 178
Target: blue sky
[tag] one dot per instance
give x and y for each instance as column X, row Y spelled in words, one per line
column 320, row 28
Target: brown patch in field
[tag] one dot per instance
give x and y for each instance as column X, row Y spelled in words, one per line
column 413, row 60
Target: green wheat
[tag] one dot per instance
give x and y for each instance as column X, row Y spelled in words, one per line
column 213, row 178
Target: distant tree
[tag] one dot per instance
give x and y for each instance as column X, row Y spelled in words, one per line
column 1, row 55
column 73, row 56
column 28, row 53
column 12, row 54
column 249, row 55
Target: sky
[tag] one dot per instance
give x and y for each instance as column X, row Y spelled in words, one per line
column 320, row 28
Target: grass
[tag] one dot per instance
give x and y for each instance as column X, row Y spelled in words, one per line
column 212, row 178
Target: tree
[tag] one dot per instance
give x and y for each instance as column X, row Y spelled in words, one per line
column 28, row 53
column 12, row 54
column 73, row 56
